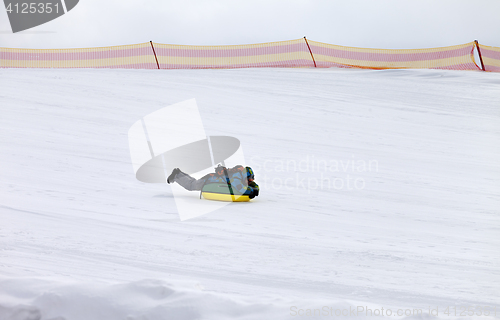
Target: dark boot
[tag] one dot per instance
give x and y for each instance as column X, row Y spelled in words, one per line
column 171, row 177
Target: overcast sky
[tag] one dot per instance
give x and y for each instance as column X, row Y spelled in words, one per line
column 371, row 23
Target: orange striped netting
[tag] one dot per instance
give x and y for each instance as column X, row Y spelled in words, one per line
column 455, row 57
column 135, row 56
column 491, row 58
column 292, row 53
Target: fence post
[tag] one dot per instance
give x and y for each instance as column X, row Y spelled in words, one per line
column 155, row 54
column 312, row 56
column 479, row 53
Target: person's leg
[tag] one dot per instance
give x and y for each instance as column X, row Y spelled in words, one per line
column 188, row 182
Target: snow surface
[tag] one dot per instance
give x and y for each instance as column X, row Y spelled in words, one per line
column 414, row 225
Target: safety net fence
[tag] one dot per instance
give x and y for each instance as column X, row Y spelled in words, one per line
column 460, row 57
column 135, row 56
column 292, row 53
column 282, row 54
column 491, row 58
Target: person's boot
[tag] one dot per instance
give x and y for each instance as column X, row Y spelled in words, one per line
column 171, row 177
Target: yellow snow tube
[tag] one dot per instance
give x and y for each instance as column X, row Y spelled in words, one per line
column 221, row 192
column 225, row 197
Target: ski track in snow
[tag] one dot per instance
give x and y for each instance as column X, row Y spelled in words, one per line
column 81, row 238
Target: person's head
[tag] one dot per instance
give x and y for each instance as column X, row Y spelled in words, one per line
column 220, row 170
column 250, row 174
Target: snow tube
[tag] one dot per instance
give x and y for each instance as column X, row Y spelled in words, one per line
column 221, row 192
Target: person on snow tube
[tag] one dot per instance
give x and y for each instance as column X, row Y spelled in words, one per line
column 240, row 179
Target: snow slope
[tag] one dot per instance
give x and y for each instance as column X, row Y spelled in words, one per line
column 379, row 188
